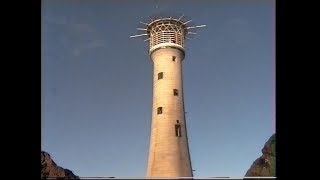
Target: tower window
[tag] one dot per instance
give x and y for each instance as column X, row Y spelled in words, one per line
column 159, row 110
column 175, row 92
column 177, row 129
column 173, row 58
column 160, row 75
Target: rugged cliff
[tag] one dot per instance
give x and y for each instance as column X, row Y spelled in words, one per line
column 266, row 164
column 50, row 169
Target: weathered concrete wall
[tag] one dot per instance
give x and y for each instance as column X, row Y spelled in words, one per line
column 168, row 154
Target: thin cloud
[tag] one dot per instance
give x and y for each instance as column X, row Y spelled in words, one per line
column 82, row 37
column 95, row 44
column 58, row 20
column 77, row 51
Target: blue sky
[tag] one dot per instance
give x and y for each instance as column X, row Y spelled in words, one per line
column 97, row 84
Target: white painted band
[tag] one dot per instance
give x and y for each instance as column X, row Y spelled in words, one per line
column 166, row 45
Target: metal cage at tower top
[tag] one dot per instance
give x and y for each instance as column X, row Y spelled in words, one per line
column 167, row 30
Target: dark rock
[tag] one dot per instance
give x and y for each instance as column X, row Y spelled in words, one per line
column 49, row 169
column 265, row 165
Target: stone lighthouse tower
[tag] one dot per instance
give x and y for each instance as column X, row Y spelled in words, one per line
column 168, row 152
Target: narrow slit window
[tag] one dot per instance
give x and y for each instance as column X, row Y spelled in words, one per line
column 159, row 110
column 173, row 58
column 178, row 130
column 160, row 75
column 175, row 92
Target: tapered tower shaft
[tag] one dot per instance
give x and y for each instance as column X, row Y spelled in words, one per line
column 169, row 152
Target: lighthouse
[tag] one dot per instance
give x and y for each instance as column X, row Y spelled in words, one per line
column 169, row 154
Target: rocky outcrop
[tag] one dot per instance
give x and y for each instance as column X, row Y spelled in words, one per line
column 266, row 164
column 49, row 169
